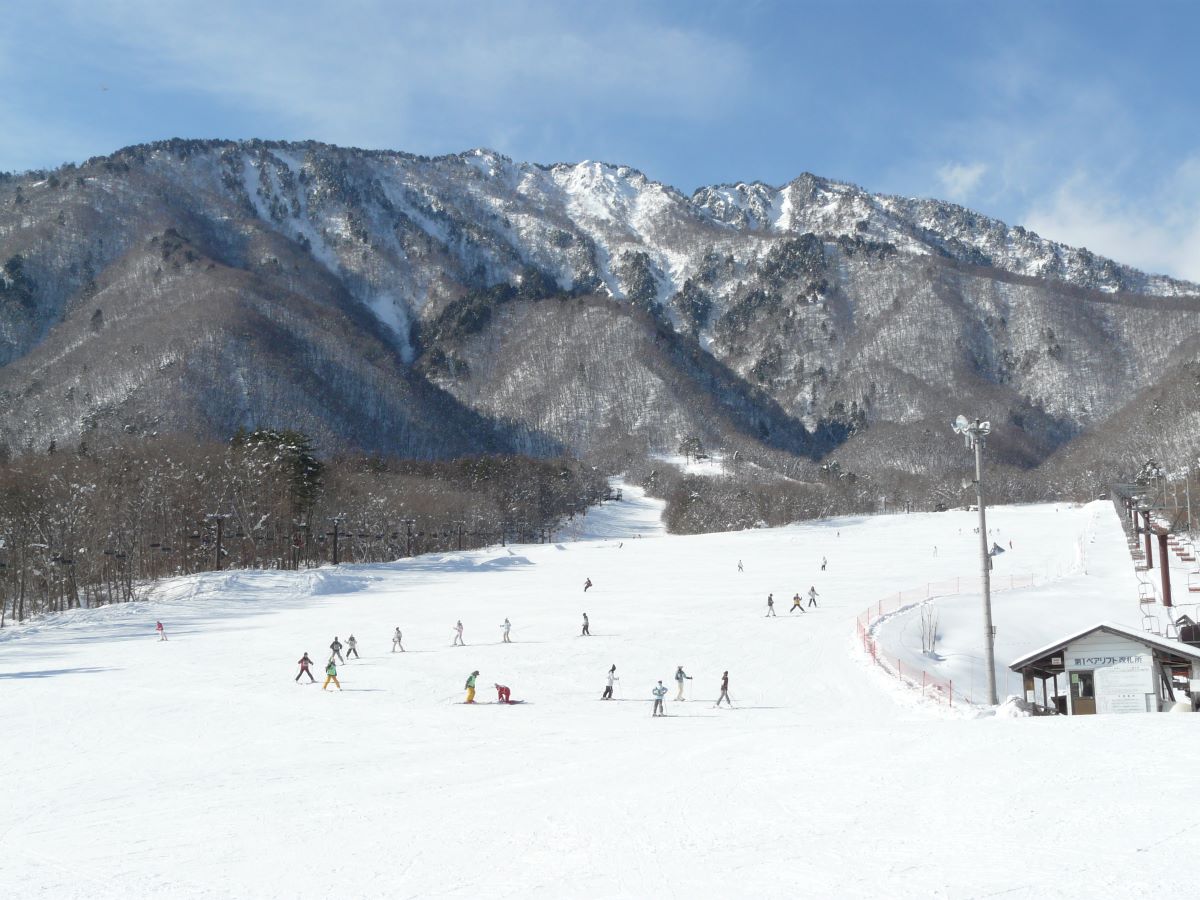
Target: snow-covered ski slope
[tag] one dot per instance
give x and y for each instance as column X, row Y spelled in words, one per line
column 199, row 768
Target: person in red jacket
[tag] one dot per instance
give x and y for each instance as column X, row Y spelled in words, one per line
column 503, row 694
column 162, row 634
column 304, row 663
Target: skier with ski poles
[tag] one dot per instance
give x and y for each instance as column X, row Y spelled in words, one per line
column 585, row 632
column 725, row 690
column 331, row 675
column 352, row 644
column 304, row 662
column 680, row 676
column 612, row 676
column 458, row 640
column 797, row 604
column 770, row 605
column 398, row 640
column 336, row 650
column 470, row 686
column 659, row 691
column 506, row 626
column 812, row 596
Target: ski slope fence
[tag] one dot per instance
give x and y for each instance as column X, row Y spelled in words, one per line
column 939, row 690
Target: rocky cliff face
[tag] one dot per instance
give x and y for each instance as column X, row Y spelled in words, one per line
column 388, row 301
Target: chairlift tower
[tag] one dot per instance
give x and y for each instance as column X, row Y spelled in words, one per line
column 975, row 433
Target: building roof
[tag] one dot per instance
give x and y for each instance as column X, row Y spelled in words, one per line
column 1151, row 640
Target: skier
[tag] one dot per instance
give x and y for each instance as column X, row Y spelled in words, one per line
column 740, row 569
column 471, row 686
column 398, row 640
column 797, row 604
column 587, row 583
column 680, row 676
column 935, row 549
column 770, row 605
column 585, row 627
column 353, row 645
column 458, row 641
column 659, row 691
column 331, row 675
column 506, row 626
column 503, row 694
column 812, row 596
column 336, row 650
column 725, row 690
column 304, row 662
column 162, row 633
column 612, row 676
column 823, row 562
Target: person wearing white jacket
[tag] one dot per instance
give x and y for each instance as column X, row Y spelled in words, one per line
column 680, row 677
column 612, row 676
column 659, row 691
column 398, row 640
column 506, row 626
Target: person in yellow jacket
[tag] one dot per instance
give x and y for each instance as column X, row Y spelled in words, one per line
column 471, row 686
column 331, row 675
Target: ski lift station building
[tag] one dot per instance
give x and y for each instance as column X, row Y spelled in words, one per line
column 1109, row 668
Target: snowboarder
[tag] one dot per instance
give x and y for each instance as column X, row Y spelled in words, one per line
column 725, row 690
column 331, row 675
column 585, row 631
column 770, row 604
column 823, row 562
column 506, row 626
column 812, row 596
column 740, row 569
column 304, row 662
column 612, row 676
column 352, row 644
column 503, row 694
column 587, row 583
column 336, row 650
column 471, row 686
column 398, row 640
column 797, row 604
column 659, row 691
column 680, row 677
column 162, row 633
column 458, row 641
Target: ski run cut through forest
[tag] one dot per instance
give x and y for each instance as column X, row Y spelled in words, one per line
column 197, row 766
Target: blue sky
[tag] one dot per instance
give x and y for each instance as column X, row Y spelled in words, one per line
column 1077, row 119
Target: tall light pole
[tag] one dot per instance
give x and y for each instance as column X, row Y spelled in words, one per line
column 975, row 433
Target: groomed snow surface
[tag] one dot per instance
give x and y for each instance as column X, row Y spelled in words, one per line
column 197, row 767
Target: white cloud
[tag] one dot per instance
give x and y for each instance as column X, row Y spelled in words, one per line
column 959, row 180
column 1159, row 233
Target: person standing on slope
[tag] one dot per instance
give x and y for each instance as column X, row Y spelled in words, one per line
column 770, row 604
column 823, row 562
column 398, row 640
column 506, row 626
column 458, row 641
column 162, row 633
column 740, row 569
column 352, row 644
column 336, row 650
column 304, row 662
column 725, row 690
column 587, row 583
column 331, row 675
column 680, row 677
column 470, row 685
column 612, row 676
column 812, row 596
column 797, row 604
column 503, row 694
column 585, row 632
column 659, row 691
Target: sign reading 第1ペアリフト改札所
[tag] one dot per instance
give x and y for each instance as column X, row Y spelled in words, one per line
column 1125, row 687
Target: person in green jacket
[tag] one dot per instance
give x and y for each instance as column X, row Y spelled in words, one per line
column 331, row 675
column 471, row 686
